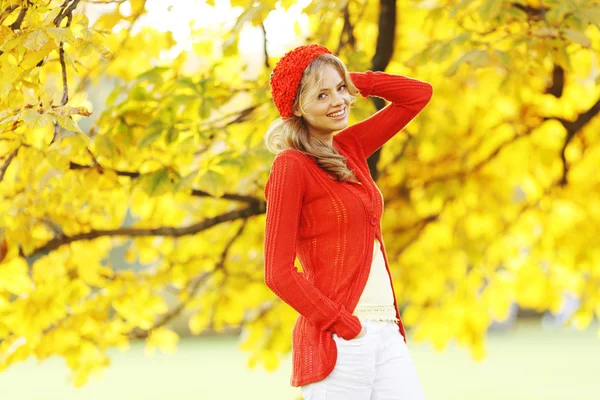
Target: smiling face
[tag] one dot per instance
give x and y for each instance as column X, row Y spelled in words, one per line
column 327, row 111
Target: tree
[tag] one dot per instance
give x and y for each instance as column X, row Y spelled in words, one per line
column 491, row 194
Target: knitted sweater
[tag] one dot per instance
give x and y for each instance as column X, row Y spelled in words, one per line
column 331, row 226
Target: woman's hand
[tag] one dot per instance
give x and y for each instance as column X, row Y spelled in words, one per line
column 362, row 333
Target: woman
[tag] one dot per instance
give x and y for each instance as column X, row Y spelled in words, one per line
column 322, row 206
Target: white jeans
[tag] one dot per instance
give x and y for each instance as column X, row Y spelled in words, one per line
column 376, row 366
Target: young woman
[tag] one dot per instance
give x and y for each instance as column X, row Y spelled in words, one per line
column 323, row 207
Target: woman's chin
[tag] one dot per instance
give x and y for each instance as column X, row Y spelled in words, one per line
column 338, row 122
column 341, row 124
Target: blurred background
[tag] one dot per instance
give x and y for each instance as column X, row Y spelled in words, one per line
column 132, row 170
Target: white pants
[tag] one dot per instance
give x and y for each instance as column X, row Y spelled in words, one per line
column 376, row 366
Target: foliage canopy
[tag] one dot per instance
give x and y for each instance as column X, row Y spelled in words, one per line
column 492, row 194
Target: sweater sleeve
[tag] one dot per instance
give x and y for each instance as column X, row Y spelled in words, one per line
column 284, row 192
column 408, row 97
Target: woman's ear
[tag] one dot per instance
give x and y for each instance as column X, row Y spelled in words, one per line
column 297, row 112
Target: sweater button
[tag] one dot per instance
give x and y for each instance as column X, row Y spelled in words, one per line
column 373, row 220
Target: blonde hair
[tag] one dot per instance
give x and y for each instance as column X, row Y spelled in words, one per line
column 292, row 133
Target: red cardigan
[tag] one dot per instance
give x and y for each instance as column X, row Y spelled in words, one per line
column 331, row 227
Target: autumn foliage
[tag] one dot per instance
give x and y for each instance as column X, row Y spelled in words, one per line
column 118, row 215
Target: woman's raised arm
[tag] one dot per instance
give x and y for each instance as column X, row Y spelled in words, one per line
column 408, row 97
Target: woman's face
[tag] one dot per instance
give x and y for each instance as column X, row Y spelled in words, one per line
column 328, row 112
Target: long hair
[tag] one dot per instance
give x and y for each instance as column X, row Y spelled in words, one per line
column 292, row 133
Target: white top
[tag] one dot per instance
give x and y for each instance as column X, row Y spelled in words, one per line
column 377, row 299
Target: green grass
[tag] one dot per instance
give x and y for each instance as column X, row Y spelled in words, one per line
column 527, row 363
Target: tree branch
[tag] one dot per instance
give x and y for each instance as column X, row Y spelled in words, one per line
column 7, row 11
column 347, row 32
column 396, row 158
column 477, row 166
column 221, row 266
column 75, row 166
column 63, row 67
column 229, row 196
column 266, row 53
column 132, row 21
column 250, row 211
column 191, row 289
column 67, row 9
column 195, row 192
column 7, row 163
column 169, row 316
column 563, row 157
column 243, row 115
column 533, row 13
column 419, row 227
column 68, row 12
column 558, row 82
column 263, row 310
column 583, row 119
column 17, row 24
column 573, row 127
column 384, row 51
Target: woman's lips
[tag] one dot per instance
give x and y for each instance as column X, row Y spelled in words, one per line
column 340, row 116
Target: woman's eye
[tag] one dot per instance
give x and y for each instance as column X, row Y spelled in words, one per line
column 342, row 87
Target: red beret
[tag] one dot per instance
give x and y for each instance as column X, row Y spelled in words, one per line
column 287, row 74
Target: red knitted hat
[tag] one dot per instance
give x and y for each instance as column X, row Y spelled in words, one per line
column 287, row 74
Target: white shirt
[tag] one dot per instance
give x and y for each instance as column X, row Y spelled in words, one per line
column 377, row 299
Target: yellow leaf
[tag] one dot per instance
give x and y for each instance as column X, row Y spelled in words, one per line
column 14, row 277
column 137, row 7
column 253, row 359
column 67, row 122
column 297, row 28
column 85, row 48
column 251, row 336
column 109, row 20
column 212, row 182
column 561, row 57
column 90, row 273
column 72, row 144
column 81, row 20
column 162, row 338
column 35, row 120
column 35, row 40
column 14, row 349
column 156, row 183
column 148, row 254
column 199, row 322
column 582, row 318
column 578, row 37
column 12, row 42
column 61, row 35
column 478, row 350
column 411, row 314
column 70, row 61
column 31, row 59
column 64, row 110
column 204, row 47
column 269, row 359
column 51, row 15
column 490, row 9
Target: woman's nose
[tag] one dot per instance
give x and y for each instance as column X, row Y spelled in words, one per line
column 337, row 99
